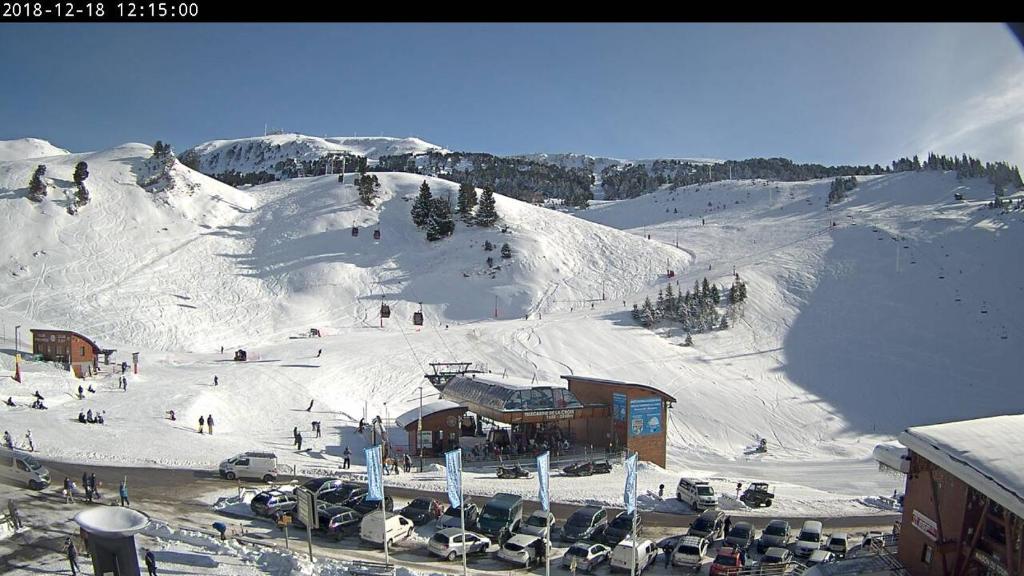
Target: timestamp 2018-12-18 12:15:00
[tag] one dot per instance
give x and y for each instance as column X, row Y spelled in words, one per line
column 99, row 10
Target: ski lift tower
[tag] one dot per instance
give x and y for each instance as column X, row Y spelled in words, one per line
column 445, row 371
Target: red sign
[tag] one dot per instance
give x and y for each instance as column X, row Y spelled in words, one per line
column 926, row 525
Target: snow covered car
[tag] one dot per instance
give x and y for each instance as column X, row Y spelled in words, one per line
column 775, row 534
column 588, row 556
column 523, row 549
column 809, row 539
column 587, row 523
column 341, row 494
column 421, row 510
column 622, row 555
column 452, row 519
column 820, row 557
column 538, row 524
column 689, row 552
column 447, row 543
column 269, row 502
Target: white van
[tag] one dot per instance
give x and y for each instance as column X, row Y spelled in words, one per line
column 622, row 555
column 23, row 469
column 376, row 530
column 262, row 465
column 698, row 494
column 809, row 539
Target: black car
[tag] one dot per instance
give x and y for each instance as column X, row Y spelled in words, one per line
column 343, row 494
column 363, row 506
column 421, row 510
column 271, row 501
column 322, row 485
column 339, row 521
column 621, row 527
column 710, row 525
column 585, row 524
column 452, row 517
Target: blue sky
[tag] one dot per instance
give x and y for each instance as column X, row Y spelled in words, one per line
column 832, row 94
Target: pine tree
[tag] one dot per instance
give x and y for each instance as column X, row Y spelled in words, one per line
column 647, row 315
column 670, row 302
column 506, row 250
column 636, row 313
column 705, row 290
column 486, row 215
column 422, row 205
column 368, row 186
column 659, row 304
column 440, row 224
column 724, row 324
column 716, row 296
column 37, row 186
column 467, row 200
column 81, row 195
column 689, row 340
column 81, row 172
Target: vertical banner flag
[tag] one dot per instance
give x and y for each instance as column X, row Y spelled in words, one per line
column 629, row 496
column 453, row 465
column 374, row 474
column 542, row 479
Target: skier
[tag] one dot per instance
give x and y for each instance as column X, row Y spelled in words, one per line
column 123, row 491
column 12, row 508
column 209, row 423
column 319, row 352
column 10, row 401
column 202, row 422
column 72, row 553
column 91, row 389
column 150, row 563
column 215, row 380
column 310, row 406
column 298, row 441
column 348, row 458
column 8, row 441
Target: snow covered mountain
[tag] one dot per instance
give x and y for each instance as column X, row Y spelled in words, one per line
column 28, row 148
column 267, row 153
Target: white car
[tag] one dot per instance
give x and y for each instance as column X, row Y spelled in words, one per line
column 820, row 557
column 588, row 556
column 689, row 552
column 522, row 549
column 622, row 555
column 809, row 539
column 447, row 543
column 379, row 527
column 838, row 544
column 538, row 524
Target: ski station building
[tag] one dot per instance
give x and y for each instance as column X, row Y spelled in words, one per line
column 594, row 413
column 964, row 503
column 67, row 347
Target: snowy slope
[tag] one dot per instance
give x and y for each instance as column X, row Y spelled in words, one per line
column 261, row 153
column 28, row 148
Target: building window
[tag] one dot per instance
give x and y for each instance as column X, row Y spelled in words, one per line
column 82, row 353
column 926, row 554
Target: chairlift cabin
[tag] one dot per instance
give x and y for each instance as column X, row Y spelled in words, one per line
column 376, row 234
column 417, row 317
column 355, row 231
column 385, row 311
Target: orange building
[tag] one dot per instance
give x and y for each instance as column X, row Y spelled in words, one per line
column 67, row 347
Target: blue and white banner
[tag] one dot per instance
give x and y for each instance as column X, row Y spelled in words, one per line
column 629, row 496
column 645, row 417
column 618, row 407
column 453, row 467
column 374, row 474
column 542, row 479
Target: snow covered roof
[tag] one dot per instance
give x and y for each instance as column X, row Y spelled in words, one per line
column 984, row 453
column 429, row 408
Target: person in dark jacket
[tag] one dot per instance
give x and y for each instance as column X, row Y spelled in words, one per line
column 150, row 563
column 123, row 491
column 348, row 458
column 202, row 422
column 298, row 440
column 86, row 487
column 72, row 552
column 209, row 424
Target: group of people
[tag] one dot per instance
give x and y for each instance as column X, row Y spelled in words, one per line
column 37, row 403
column 9, row 441
column 81, row 391
column 122, row 383
column 87, row 417
column 71, row 552
column 207, row 421
column 316, row 428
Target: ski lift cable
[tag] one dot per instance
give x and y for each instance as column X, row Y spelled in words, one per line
column 404, row 336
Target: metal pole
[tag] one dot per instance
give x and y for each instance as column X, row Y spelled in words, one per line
column 419, row 430
column 384, row 521
column 16, row 328
column 462, row 516
column 632, row 566
column 309, row 539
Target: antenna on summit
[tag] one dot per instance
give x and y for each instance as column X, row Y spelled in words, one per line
column 264, row 128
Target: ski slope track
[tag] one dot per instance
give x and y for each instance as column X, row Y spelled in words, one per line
column 835, row 350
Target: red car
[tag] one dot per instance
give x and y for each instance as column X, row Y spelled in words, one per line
column 729, row 561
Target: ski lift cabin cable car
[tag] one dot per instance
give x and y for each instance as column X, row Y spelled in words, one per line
column 355, row 231
column 417, row 317
column 376, row 234
column 385, row 310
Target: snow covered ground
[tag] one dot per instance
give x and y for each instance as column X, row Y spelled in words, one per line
column 839, row 347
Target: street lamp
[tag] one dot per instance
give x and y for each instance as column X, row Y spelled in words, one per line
column 16, row 338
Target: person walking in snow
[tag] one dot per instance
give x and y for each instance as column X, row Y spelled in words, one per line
column 408, row 463
column 92, row 485
column 394, row 463
column 298, row 441
column 348, row 458
column 69, row 497
column 81, row 392
column 150, row 563
column 72, row 554
column 209, row 424
column 8, row 441
column 91, row 389
column 215, row 382
column 202, row 422
column 12, row 508
column 319, row 352
column 123, row 491
column 86, row 487
column 28, row 440
column 310, row 406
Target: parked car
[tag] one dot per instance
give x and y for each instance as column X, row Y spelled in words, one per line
column 584, row 523
column 23, row 470
column 821, row 557
column 776, row 534
column 588, row 556
column 539, row 523
column 774, row 557
column 809, row 538
column 838, row 544
column 324, row 484
column 523, row 549
column 422, row 510
column 339, row 521
column 391, row 528
column 447, row 543
column 698, row 494
column 452, row 519
column 268, row 502
column 872, row 538
column 262, row 465
column 729, row 560
column 622, row 555
column 341, row 494
column 757, row 495
column 710, row 525
column 363, row 506
column 741, row 535
column 689, row 552
column 621, row 527
column 501, row 516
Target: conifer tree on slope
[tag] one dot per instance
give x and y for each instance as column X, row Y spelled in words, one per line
column 421, row 206
column 81, row 173
column 439, row 223
column 37, row 186
column 486, row 215
column 467, row 200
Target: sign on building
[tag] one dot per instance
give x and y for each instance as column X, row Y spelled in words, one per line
column 426, row 439
column 618, row 407
column 925, row 525
column 645, row 417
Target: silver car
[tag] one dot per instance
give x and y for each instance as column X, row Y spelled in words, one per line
column 588, row 556
column 448, row 544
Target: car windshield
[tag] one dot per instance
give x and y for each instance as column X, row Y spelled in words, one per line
column 837, row 542
column 580, row 520
column 578, row 551
column 771, row 559
column 491, row 514
column 451, row 511
column 622, row 522
column 705, row 491
column 420, row 503
column 689, row 550
column 725, row 560
column 539, row 521
column 739, row 531
column 440, row 538
column 513, row 547
column 809, row 536
column 775, row 530
column 702, row 524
